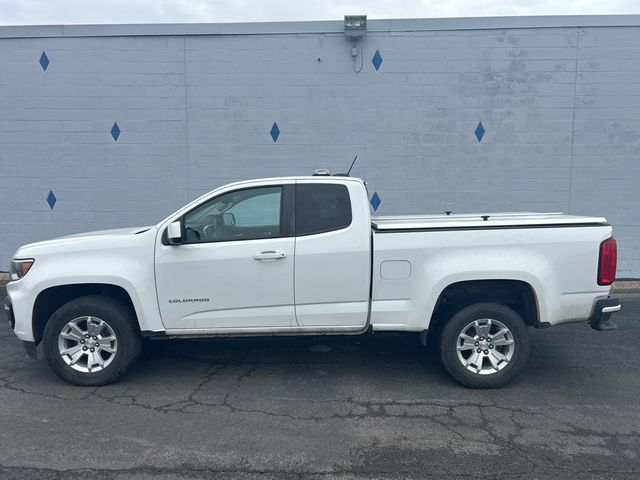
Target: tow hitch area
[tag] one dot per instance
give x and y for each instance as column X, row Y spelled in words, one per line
column 602, row 310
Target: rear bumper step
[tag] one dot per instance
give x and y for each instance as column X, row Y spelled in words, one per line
column 600, row 317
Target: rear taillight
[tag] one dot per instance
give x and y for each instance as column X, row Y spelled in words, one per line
column 607, row 262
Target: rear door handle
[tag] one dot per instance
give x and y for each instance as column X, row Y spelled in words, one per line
column 269, row 255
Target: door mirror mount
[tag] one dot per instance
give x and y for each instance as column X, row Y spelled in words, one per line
column 174, row 233
column 228, row 219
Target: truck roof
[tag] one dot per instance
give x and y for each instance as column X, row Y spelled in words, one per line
column 315, row 178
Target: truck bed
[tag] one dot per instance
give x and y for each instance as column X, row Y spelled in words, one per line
column 481, row 221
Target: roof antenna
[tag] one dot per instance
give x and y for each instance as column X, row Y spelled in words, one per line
column 349, row 171
column 352, row 164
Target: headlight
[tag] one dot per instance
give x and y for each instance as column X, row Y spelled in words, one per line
column 19, row 268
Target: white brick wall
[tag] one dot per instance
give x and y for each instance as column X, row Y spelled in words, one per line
column 560, row 106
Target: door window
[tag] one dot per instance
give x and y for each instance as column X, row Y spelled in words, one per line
column 248, row 214
column 321, row 208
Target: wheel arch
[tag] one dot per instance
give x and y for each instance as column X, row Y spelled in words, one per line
column 52, row 298
column 520, row 295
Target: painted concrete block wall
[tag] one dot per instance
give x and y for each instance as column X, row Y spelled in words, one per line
column 559, row 108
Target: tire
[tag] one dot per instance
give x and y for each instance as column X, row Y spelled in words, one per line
column 503, row 354
column 103, row 319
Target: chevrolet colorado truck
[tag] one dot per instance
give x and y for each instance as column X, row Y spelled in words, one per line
column 303, row 256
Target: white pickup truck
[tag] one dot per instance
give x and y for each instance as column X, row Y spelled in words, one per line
column 303, row 256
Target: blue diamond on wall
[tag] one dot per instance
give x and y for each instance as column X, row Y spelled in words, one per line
column 377, row 60
column 275, row 132
column 44, row 61
column 375, row 201
column 479, row 132
column 51, row 199
column 115, row 131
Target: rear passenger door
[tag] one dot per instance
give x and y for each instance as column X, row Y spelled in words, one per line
column 332, row 254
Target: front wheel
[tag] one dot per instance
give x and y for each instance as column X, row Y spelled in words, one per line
column 485, row 345
column 91, row 341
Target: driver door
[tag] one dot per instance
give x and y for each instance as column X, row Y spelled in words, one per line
column 234, row 267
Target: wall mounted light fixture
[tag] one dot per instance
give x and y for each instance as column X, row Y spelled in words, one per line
column 355, row 27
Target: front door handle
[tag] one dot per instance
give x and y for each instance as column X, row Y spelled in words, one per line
column 269, row 255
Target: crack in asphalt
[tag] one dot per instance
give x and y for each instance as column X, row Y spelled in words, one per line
column 370, row 409
column 538, row 439
column 476, row 431
column 190, row 470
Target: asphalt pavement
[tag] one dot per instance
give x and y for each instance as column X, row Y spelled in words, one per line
column 373, row 406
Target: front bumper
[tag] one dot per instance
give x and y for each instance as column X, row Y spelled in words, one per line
column 29, row 347
column 20, row 302
column 8, row 309
column 602, row 310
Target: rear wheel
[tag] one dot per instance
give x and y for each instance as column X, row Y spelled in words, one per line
column 91, row 340
column 485, row 345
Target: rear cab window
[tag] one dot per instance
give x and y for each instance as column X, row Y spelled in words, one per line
column 322, row 207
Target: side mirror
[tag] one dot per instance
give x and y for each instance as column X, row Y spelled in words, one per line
column 174, row 233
